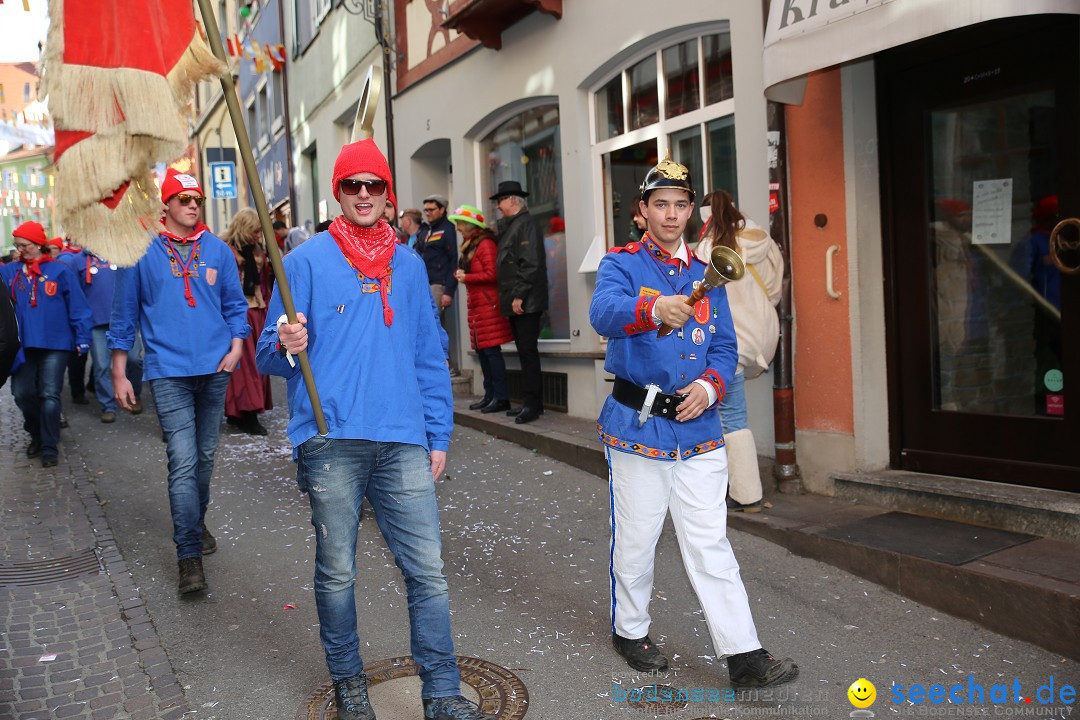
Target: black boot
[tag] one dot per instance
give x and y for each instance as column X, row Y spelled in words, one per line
column 351, row 698
column 496, row 406
column 760, row 669
column 209, row 544
column 481, row 403
column 250, row 423
column 640, row 654
column 192, row 578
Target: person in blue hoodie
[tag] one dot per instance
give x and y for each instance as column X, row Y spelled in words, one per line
column 365, row 318
column 185, row 296
column 97, row 278
column 54, row 324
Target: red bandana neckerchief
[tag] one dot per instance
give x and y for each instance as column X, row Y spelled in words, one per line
column 368, row 250
column 169, row 237
column 33, row 271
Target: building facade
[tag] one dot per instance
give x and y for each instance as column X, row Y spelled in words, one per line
column 536, row 92
column 26, row 182
column 931, row 153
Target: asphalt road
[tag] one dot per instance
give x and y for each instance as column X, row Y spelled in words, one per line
column 526, row 546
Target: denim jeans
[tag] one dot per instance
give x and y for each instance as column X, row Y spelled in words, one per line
column 102, row 357
column 493, row 366
column 396, row 478
column 36, row 386
column 733, row 406
column 190, row 411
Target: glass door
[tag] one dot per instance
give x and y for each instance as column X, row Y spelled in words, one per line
column 979, row 169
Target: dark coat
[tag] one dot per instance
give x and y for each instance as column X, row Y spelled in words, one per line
column 487, row 326
column 9, row 333
column 438, row 244
column 522, row 265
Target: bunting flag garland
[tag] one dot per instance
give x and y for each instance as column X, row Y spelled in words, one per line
column 264, row 55
column 119, row 85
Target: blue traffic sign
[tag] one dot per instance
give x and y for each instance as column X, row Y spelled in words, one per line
column 223, row 180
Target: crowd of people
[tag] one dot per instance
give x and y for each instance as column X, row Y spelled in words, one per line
column 201, row 321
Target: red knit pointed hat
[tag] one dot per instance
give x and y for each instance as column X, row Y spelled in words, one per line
column 359, row 157
column 177, row 182
column 32, row 231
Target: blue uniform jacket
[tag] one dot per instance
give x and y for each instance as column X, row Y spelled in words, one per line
column 97, row 278
column 61, row 318
column 180, row 340
column 628, row 282
column 386, row 384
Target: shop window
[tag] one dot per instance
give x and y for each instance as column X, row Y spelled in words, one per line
column 689, row 114
column 681, row 78
column 716, row 50
column 526, row 148
column 644, row 104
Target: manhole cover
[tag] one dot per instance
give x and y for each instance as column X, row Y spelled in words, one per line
column 42, row 572
column 500, row 693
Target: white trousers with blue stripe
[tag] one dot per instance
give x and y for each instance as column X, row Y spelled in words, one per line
column 695, row 490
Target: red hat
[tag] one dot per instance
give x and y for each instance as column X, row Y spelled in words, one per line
column 56, row 242
column 1046, row 208
column 359, row 157
column 32, row 231
column 177, row 182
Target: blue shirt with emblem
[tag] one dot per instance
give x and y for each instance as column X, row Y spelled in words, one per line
column 60, row 318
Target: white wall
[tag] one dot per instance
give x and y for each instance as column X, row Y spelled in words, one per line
column 542, row 56
column 325, row 85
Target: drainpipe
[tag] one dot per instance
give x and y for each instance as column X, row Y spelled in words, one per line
column 786, row 469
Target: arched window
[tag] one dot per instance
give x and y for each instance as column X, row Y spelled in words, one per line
column 678, row 96
column 526, row 148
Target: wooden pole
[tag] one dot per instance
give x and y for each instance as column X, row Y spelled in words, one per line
column 255, row 185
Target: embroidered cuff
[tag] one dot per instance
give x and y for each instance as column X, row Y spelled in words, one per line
column 713, row 378
column 643, row 316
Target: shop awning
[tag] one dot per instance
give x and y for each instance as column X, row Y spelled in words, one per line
column 806, row 35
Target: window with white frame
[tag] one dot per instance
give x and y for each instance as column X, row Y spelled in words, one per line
column 277, row 100
column 526, row 148
column 319, row 10
column 677, row 96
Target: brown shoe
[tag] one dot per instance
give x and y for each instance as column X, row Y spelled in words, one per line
column 108, row 417
column 192, row 578
column 137, row 407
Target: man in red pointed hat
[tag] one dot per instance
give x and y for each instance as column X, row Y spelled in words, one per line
column 186, row 298
column 367, row 321
column 54, row 324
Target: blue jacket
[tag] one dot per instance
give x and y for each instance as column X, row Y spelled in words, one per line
column 628, row 282
column 61, row 318
column 180, row 340
column 97, row 278
column 386, row 384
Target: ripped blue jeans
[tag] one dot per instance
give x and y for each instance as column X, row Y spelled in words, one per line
column 396, row 478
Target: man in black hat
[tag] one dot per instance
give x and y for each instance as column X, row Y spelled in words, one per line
column 521, row 272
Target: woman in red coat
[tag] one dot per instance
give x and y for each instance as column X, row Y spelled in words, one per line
column 248, row 393
column 488, row 329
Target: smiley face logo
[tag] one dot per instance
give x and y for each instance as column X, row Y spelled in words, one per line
column 862, row 693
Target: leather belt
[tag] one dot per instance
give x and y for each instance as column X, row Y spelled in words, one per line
column 646, row 400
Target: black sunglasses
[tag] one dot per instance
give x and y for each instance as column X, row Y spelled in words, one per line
column 352, row 187
column 185, row 199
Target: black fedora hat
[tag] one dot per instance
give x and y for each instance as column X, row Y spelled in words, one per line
column 509, row 187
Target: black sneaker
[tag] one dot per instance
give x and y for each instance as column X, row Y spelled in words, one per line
column 49, row 461
column 351, row 699
column 209, row 544
column 640, row 654
column 760, row 669
column 452, row 708
column 192, row 578
column 33, row 449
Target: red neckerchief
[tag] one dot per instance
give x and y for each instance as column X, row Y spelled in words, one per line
column 368, row 250
column 33, row 270
column 193, row 257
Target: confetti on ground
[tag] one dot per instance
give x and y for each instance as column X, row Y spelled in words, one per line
column 47, row 658
column 289, row 606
